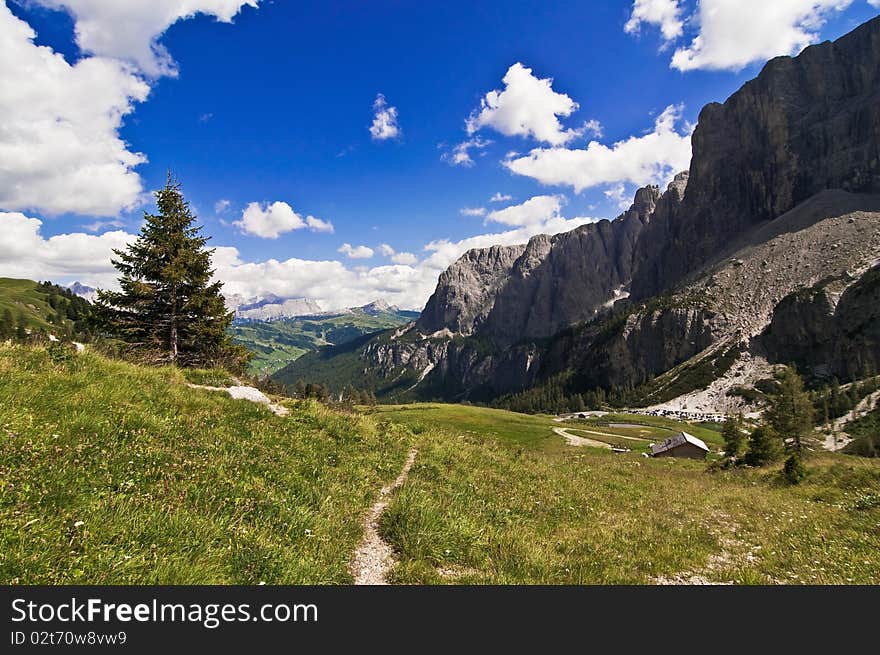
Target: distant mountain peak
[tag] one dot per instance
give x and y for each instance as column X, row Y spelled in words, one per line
column 272, row 307
column 378, row 306
column 83, row 291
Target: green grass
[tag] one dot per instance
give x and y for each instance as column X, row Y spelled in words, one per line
column 116, row 474
column 480, row 508
column 525, row 430
column 637, row 444
column 658, row 427
column 208, row 377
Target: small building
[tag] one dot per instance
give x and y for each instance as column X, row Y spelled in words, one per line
column 681, row 445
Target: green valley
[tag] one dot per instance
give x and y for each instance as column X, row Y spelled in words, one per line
column 277, row 343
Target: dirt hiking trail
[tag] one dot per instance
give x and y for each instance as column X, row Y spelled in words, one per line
column 374, row 557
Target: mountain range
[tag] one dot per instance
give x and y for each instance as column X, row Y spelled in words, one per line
column 278, row 330
column 277, row 340
column 766, row 251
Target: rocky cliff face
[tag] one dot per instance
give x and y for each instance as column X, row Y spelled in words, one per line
column 466, row 291
column 830, row 329
column 525, row 292
column 569, row 277
column 805, row 124
column 646, row 344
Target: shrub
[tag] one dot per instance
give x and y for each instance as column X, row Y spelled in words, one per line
column 794, row 469
column 765, row 447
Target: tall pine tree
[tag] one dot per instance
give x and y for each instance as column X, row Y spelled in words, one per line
column 168, row 309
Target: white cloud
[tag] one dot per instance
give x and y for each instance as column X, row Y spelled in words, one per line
column 461, row 156
column 26, row 253
column 619, row 196
column 528, row 106
column 664, row 13
column 592, row 127
column 129, row 30
column 97, row 226
column 534, row 211
column 472, row 211
column 60, row 149
column 652, row 158
column 272, row 220
column 500, row 197
column 874, row 3
column 404, row 258
column 356, row 252
column 221, row 206
column 384, row 120
column 317, row 225
column 735, row 33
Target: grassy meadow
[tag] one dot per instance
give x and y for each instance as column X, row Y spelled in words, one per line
column 114, row 473
column 488, row 505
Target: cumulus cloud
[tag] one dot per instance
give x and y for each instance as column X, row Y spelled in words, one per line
column 270, row 221
column 60, row 149
column 407, row 258
column 472, row 211
column 317, row 225
column 59, row 146
column 129, row 30
column 503, row 197
column 874, row 3
column 618, row 195
column 731, row 34
column 26, row 253
column 591, row 127
column 666, row 14
column 537, row 210
column 221, row 206
column 654, row 157
column 735, row 33
column 460, row 154
column 384, row 120
column 355, row 252
column 528, row 106
column 97, row 226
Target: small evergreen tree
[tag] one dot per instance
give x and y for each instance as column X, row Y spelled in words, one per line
column 791, row 412
column 765, row 447
column 167, row 304
column 21, row 333
column 7, row 324
column 794, row 469
column 733, row 435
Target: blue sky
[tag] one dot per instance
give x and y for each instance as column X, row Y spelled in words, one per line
column 276, row 106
